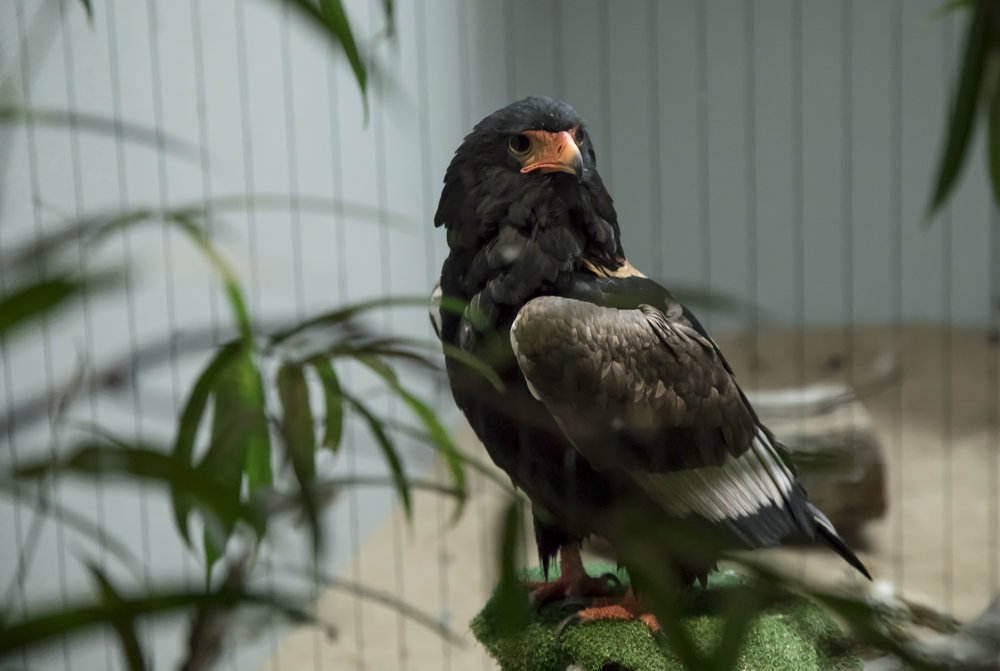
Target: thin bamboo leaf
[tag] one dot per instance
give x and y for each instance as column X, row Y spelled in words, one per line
column 32, row 301
column 213, row 543
column 488, row 471
column 124, row 625
column 389, row 8
column 26, row 303
column 300, row 441
column 130, row 462
column 348, row 312
column 951, row 7
column 36, row 499
column 240, row 441
column 473, row 362
column 190, row 420
column 101, row 125
column 258, row 468
column 663, row 596
column 326, row 491
column 232, row 417
column 297, row 421
column 335, row 19
column 89, row 8
column 742, row 607
column 394, row 346
column 513, row 609
column 330, row 18
column 375, row 364
column 993, row 148
column 439, row 436
column 467, row 311
column 349, row 209
column 386, row 599
column 96, row 227
column 964, row 107
column 333, row 424
column 388, row 450
column 230, row 281
column 441, row 440
column 76, row 619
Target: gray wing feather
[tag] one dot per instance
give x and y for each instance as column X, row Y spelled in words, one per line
column 644, row 392
column 634, row 387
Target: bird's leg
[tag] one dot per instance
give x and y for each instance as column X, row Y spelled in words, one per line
column 573, row 581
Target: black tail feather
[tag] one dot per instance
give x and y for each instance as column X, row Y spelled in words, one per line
column 829, row 535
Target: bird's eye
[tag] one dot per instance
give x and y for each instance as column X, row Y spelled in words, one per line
column 578, row 136
column 519, row 144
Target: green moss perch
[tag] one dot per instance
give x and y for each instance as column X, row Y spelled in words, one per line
column 795, row 635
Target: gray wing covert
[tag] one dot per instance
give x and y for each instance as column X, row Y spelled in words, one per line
column 643, row 391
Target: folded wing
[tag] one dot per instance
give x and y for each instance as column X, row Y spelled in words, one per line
column 645, row 391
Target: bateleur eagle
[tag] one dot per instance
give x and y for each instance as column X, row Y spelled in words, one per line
column 614, row 393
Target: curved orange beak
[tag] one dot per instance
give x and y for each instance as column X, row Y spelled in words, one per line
column 553, row 152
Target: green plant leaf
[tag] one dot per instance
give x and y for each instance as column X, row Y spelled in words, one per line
column 964, row 107
column 103, row 126
column 335, row 20
column 26, row 303
column 213, row 539
column 230, row 282
column 259, row 472
column 297, row 421
column 81, row 524
column 130, row 462
column 240, row 438
column 488, row 471
column 240, row 441
column 124, row 625
column 431, row 622
column 77, row 618
column 439, row 436
column 741, row 607
column 32, row 301
column 382, row 439
column 513, row 608
column 441, row 439
column 333, row 424
column 951, row 6
column 389, row 8
column 474, row 362
column 348, row 312
column 187, row 222
column 330, row 18
column 300, row 441
column 350, row 209
column 190, row 420
column 95, row 228
column 993, row 148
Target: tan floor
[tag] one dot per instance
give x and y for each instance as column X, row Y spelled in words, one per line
column 941, row 440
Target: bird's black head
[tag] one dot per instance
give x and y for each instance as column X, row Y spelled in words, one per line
column 535, row 136
column 529, row 164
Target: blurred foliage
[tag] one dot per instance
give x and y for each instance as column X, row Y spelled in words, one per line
column 230, row 432
column 976, row 95
column 92, row 123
